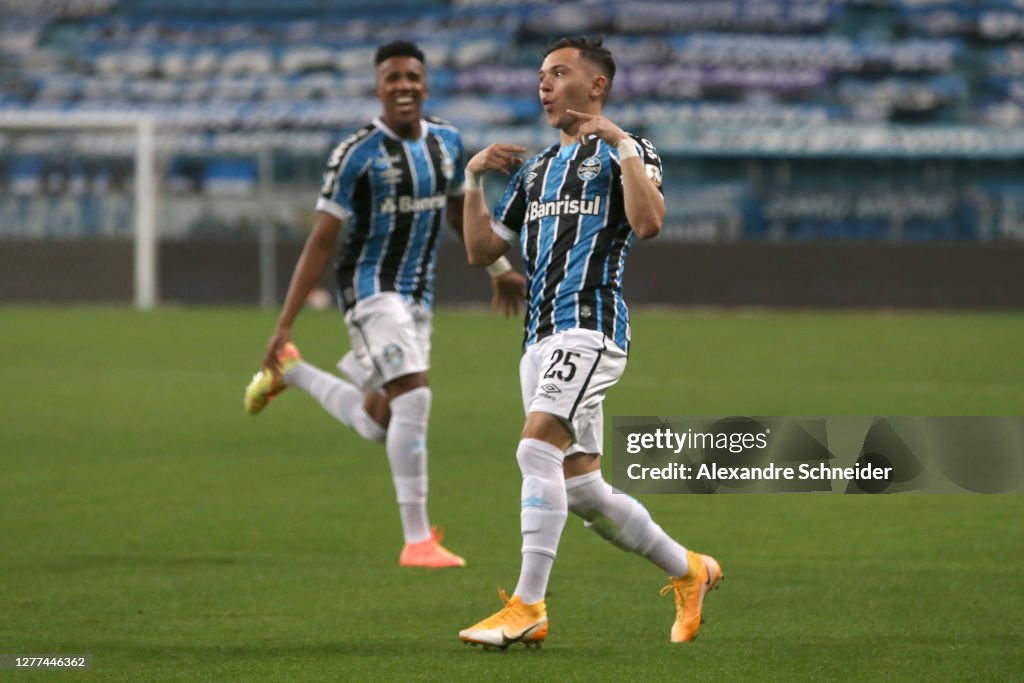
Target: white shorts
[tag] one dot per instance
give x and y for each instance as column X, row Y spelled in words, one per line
column 567, row 375
column 390, row 338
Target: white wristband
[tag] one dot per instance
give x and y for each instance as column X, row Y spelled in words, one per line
column 499, row 267
column 473, row 181
column 626, row 149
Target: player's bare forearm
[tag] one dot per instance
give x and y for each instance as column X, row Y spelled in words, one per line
column 308, row 270
column 483, row 246
column 310, row 266
column 314, row 258
column 507, row 289
column 645, row 207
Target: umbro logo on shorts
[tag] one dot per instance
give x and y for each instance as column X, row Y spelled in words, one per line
column 551, row 389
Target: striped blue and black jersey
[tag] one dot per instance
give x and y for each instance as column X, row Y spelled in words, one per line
column 393, row 193
column 566, row 207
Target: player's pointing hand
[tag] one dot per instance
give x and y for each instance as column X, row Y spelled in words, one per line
column 596, row 124
column 497, row 157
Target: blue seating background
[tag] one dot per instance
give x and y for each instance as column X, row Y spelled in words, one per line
column 226, row 79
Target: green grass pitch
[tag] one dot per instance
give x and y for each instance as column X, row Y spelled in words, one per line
column 147, row 521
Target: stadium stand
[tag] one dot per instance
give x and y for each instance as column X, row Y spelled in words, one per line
column 820, row 119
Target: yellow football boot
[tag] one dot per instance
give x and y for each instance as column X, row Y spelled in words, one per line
column 265, row 384
column 690, row 588
column 516, row 622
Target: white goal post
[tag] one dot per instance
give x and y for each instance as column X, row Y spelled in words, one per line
column 143, row 128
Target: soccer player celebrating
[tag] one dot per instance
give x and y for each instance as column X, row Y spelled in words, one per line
column 575, row 208
column 391, row 182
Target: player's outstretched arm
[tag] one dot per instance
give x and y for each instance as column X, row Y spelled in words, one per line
column 645, row 207
column 315, row 255
column 483, row 246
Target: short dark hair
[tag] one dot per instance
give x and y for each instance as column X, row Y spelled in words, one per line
column 592, row 50
column 399, row 48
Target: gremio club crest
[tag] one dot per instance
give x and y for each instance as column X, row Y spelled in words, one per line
column 589, row 168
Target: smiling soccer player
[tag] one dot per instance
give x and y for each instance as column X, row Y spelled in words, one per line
column 393, row 182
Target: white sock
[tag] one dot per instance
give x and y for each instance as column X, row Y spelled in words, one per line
column 407, row 454
column 339, row 398
column 542, row 517
column 624, row 522
column 533, row 577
